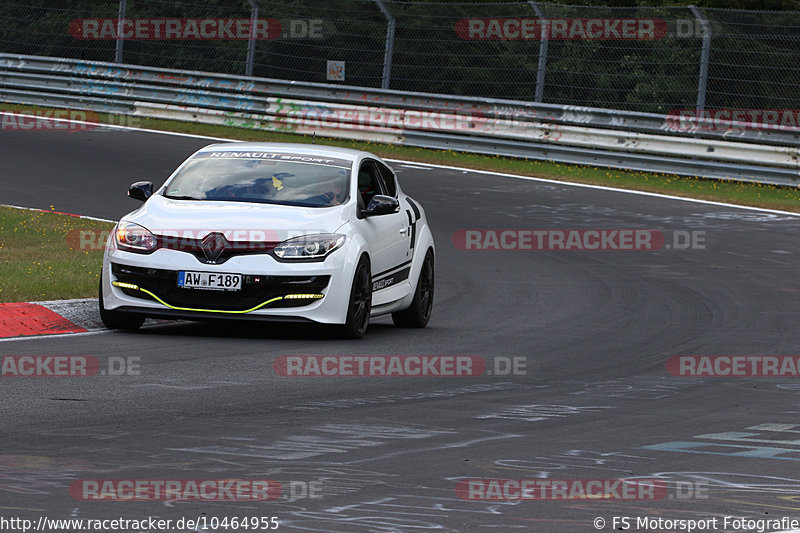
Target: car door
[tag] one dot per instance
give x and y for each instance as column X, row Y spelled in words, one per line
column 407, row 206
column 388, row 235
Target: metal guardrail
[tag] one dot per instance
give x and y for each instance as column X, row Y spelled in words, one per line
column 576, row 135
column 96, row 71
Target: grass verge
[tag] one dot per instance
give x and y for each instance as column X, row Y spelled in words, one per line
column 41, row 259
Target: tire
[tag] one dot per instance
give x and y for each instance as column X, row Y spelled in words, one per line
column 419, row 312
column 360, row 304
column 116, row 319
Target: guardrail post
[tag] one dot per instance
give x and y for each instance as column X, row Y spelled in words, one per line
column 388, row 50
column 123, row 9
column 704, row 59
column 543, row 43
column 251, row 41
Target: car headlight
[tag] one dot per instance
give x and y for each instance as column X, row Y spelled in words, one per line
column 135, row 238
column 309, row 247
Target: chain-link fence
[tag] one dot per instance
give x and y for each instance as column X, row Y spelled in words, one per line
column 656, row 59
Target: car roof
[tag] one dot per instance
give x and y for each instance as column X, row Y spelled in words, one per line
column 289, row 148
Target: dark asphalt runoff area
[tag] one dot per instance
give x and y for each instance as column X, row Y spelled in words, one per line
column 595, row 402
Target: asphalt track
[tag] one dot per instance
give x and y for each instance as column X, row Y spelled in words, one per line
column 596, row 403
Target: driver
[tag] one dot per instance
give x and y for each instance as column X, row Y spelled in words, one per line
column 332, row 192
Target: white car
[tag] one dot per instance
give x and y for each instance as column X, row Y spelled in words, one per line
column 271, row 231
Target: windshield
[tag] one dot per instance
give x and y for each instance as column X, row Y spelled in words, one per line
column 263, row 177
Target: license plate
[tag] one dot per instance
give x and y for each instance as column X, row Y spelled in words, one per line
column 209, row 280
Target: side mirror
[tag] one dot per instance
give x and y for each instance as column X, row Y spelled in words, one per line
column 381, row 205
column 141, row 190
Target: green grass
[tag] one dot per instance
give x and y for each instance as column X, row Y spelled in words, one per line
column 40, row 257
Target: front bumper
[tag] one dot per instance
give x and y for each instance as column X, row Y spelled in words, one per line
column 271, row 290
column 258, row 291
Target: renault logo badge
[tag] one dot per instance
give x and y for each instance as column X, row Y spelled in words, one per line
column 213, row 245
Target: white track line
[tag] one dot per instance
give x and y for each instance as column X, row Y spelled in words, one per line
column 603, row 188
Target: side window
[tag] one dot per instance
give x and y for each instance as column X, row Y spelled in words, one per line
column 368, row 181
column 390, row 185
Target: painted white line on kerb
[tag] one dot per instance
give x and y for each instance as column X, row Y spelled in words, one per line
column 99, row 331
column 58, row 213
column 66, row 301
column 55, row 336
column 448, row 167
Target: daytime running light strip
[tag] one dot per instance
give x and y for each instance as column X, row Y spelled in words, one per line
column 133, row 286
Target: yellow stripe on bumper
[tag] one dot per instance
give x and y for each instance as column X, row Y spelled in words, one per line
column 310, row 296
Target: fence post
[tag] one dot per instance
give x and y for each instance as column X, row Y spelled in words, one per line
column 388, row 51
column 123, row 9
column 251, row 41
column 704, row 59
column 544, row 40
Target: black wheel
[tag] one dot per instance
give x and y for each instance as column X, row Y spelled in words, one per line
column 360, row 305
column 419, row 312
column 116, row 319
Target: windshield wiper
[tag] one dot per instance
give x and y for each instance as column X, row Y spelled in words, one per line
column 179, row 197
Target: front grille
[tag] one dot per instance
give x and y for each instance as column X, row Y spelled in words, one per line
column 231, row 248
column 256, row 289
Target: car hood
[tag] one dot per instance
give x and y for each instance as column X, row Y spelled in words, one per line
column 239, row 221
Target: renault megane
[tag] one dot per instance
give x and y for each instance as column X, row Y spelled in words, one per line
column 269, row 231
